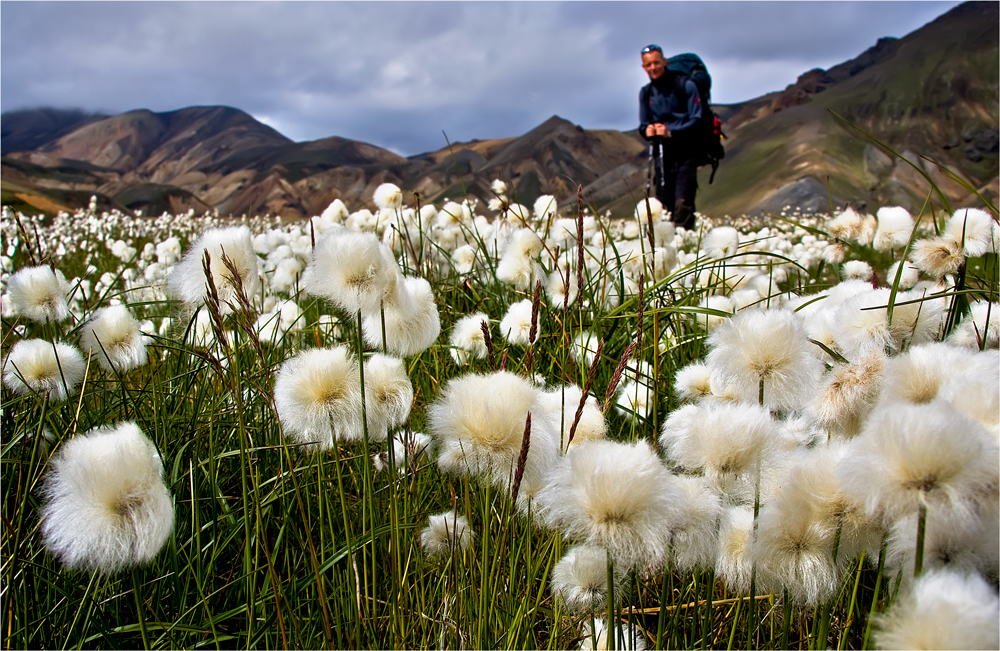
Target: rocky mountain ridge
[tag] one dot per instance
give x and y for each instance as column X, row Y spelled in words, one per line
column 931, row 94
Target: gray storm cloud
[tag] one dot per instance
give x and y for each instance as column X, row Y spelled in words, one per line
column 399, row 74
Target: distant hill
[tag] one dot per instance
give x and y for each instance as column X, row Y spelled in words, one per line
column 930, row 95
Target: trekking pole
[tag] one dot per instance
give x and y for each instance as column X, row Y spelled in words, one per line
column 652, row 165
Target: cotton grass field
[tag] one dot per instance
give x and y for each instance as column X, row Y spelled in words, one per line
column 423, row 427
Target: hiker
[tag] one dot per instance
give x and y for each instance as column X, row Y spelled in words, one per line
column 669, row 108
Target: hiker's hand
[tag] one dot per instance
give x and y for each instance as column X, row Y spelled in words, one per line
column 657, row 129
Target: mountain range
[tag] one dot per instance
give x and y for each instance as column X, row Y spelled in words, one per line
column 931, row 97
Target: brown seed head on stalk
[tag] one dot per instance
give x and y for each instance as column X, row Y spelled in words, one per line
column 616, row 377
column 522, row 459
column 488, row 340
column 243, row 315
column 639, row 316
column 649, row 236
column 591, row 373
column 212, row 301
column 536, row 301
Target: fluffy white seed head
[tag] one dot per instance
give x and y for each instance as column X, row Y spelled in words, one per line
column 48, row 369
column 561, row 404
column 937, row 256
column 694, row 534
column 467, row 338
column 848, row 394
column 580, row 578
column 973, row 229
column 318, row 397
column 626, row 636
column 479, row 423
column 113, row 337
column 911, row 455
column 446, row 532
column 944, row 610
column 616, row 496
column 39, row 294
column 353, row 270
column 189, row 282
column 734, row 564
column 721, row 242
column 768, row 347
column 516, row 324
column 980, row 329
column 106, row 505
column 725, row 441
column 388, row 394
column 412, row 323
column 894, row 227
column 692, row 381
column 907, row 278
column 388, row 196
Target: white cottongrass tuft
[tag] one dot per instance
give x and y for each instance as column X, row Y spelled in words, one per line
column 944, row 610
column 894, row 227
column 112, row 336
column 189, row 282
column 937, row 256
column 613, row 495
column 584, row 348
column 516, row 324
column 544, row 207
column 388, row 196
column 388, row 394
column 353, row 270
column 693, row 381
column 446, row 532
column 913, row 455
column 412, row 323
column 973, row 229
column 849, row 394
column 766, row 349
column 734, row 564
column 479, row 423
column 408, row 449
column 857, row 270
column 107, row 507
column 907, row 278
column 718, row 303
column 917, row 375
column 560, row 405
column 318, row 397
column 467, row 339
column 861, row 323
column 39, row 294
column 48, row 369
column 694, row 533
column 980, row 329
column 626, row 637
column 519, row 265
column 793, row 548
column 580, row 578
column 727, row 441
column 721, row 242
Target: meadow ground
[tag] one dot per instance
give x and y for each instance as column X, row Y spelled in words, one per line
column 778, row 433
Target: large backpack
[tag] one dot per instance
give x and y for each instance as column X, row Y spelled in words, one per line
column 708, row 130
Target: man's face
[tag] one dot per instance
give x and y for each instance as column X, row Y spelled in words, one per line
column 654, row 64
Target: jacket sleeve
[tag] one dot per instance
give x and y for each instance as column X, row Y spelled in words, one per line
column 693, row 106
column 644, row 117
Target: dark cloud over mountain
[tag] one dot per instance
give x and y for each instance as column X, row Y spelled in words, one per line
column 399, row 74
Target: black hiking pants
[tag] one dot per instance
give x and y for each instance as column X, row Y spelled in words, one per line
column 676, row 181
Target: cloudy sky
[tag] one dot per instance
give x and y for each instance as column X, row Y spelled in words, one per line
column 401, row 75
